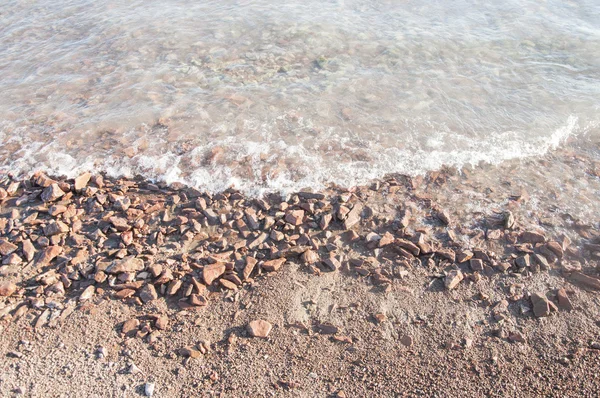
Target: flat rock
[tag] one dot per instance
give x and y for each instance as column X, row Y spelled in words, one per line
column 52, row 193
column 353, row 216
column 541, row 305
column 294, row 217
column 259, row 328
column 130, row 326
column 6, row 247
column 563, row 300
column 148, row 293
column 212, row 271
column 128, row 264
column 47, row 255
column 273, row 265
column 82, row 181
column 453, row 278
column 7, row 289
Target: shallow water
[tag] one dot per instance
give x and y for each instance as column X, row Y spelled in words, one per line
column 268, row 96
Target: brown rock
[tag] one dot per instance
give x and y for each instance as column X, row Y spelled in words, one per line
column 585, row 280
column 211, row 272
column 189, row 353
column 88, row 293
column 309, row 257
column 259, row 328
column 443, row 216
column 7, row 289
column 227, row 284
column 148, row 293
column 82, row 181
column 249, row 267
column 174, row 287
column 198, row 300
column 52, row 193
column 327, row 328
column 453, row 278
column 273, row 265
column 6, row 247
column 476, row 264
column 124, row 293
column 532, row 237
column 463, row 255
column 386, row 239
column 120, row 224
column 130, row 327
column 294, row 217
column 406, row 340
column 28, row 250
column 408, row 245
column 162, row 322
column 332, row 263
column 448, row 254
column 353, row 216
column 128, row 264
column 325, row 220
column 563, row 300
column 55, row 228
column 541, row 305
column 47, row 255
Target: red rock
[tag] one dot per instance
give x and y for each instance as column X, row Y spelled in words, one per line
column 6, row 247
column 56, row 228
column 124, row 293
column 52, row 193
column 249, row 267
column 120, row 224
column 7, row 289
column 130, row 327
column 259, row 328
column 174, row 287
column 327, row 328
column 82, row 181
column 309, row 257
column 148, row 293
column 325, row 220
column 532, row 237
column 128, row 264
column 453, row 278
column 541, row 305
column 585, row 280
column 408, row 245
column 353, row 216
column 47, row 255
column 198, row 300
column 162, row 322
column 563, row 300
column 386, row 239
column 211, row 272
column 88, row 293
column 294, row 217
column 273, row 265
column 448, row 254
column 227, row 284
column 332, row 263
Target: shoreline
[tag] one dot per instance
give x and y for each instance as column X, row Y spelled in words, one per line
column 157, row 252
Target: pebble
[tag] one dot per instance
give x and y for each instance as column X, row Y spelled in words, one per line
column 259, row 328
column 149, row 389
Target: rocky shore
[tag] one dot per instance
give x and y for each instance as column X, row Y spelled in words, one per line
column 167, row 258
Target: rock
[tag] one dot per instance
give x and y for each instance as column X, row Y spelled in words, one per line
column 130, row 326
column 408, row 245
column 47, row 255
column 148, row 293
column 443, row 216
column 7, row 289
column 128, row 264
column 6, row 247
column 162, row 322
column 517, row 337
column 273, row 265
column 463, row 255
column 294, row 217
column 211, row 272
column 249, row 267
column 476, row 264
column 406, row 340
column 259, row 328
column 325, row 220
column 386, row 239
column 56, row 228
column 228, row 284
column 120, row 224
column 327, row 328
column 149, row 389
column 541, row 305
column 585, row 280
column 532, row 237
column 260, row 239
column 82, row 181
column 353, row 216
column 332, row 263
column 309, row 257
column 453, row 278
column 52, row 193
column 88, row 293
column 189, row 352
column 448, row 254
column 563, row 300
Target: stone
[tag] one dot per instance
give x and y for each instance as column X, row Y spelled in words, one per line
column 120, row 224
column 476, row 264
column 149, row 389
column 447, row 254
column 162, row 322
column 6, row 247
column 249, row 267
column 532, row 237
column 406, row 340
column 585, row 280
column 327, row 328
column 88, row 293
column 47, row 255
column 386, row 239
column 82, row 181
column 309, row 257
column 273, row 265
column 408, row 245
column 189, row 352
column 56, row 228
column 332, row 263
column 213, row 271
column 353, row 216
column 294, row 217
column 443, row 216
column 453, row 278
column 7, row 289
column 227, row 284
column 325, row 221
column 128, row 264
column 463, row 255
column 563, row 300
column 130, row 326
column 148, row 293
column 259, row 328
column 52, row 193
column 541, row 305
